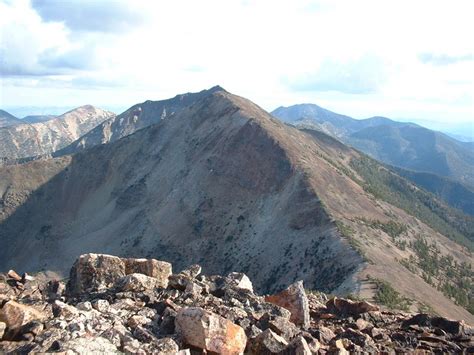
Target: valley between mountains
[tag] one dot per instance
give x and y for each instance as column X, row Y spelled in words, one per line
column 211, row 178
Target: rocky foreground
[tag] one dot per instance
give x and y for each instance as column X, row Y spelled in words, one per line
column 118, row 305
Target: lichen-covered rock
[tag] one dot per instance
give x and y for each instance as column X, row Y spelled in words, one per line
column 95, row 272
column 160, row 270
column 209, row 331
column 293, row 299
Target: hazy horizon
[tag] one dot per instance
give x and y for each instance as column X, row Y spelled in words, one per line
column 403, row 60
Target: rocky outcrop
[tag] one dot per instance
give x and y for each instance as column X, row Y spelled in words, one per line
column 194, row 313
column 97, row 272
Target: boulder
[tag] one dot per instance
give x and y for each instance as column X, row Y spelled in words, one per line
column 136, row 283
column 293, row 299
column 159, row 270
column 95, row 272
column 16, row 315
column 267, row 342
column 209, row 331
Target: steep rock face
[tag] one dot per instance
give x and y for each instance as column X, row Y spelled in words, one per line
column 29, row 140
column 215, row 185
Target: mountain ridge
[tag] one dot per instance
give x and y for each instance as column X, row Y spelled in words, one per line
column 170, row 191
column 35, row 139
column 406, row 145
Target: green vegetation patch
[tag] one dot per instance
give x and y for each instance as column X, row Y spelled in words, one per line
column 453, row 279
column 384, row 184
column 389, row 297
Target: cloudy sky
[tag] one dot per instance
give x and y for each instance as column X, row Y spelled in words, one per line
column 401, row 59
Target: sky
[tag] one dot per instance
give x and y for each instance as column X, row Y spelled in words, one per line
column 408, row 60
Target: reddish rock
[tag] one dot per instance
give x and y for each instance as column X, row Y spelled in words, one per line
column 16, row 315
column 293, row 299
column 209, row 331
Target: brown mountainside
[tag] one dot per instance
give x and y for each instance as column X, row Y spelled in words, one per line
column 223, row 184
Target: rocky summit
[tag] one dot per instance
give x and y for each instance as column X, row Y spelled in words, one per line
column 125, row 305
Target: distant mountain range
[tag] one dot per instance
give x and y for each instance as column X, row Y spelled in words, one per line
column 439, row 157
column 7, row 119
column 45, row 134
column 211, row 178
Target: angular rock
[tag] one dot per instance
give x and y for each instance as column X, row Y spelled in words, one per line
column 283, row 327
column 240, row 281
column 298, row 346
column 193, row 288
column 97, row 345
column 63, row 310
column 295, row 300
column 192, row 271
column 84, row 306
column 209, row 331
column 55, row 290
column 16, row 315
column 136, row 320
column 325, row 334
column 101, row 305
column 27, row 277
column 13, row 275
column 267, row 343
column 167, row 325
column 179, row 281
column 95, row 272
column 159, row 270
column 136, row 283
column 167, row 346
column 342, row 306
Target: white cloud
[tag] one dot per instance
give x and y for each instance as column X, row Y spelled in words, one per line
column 362, row 57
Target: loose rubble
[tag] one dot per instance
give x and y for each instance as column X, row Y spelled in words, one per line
column 138, row 306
